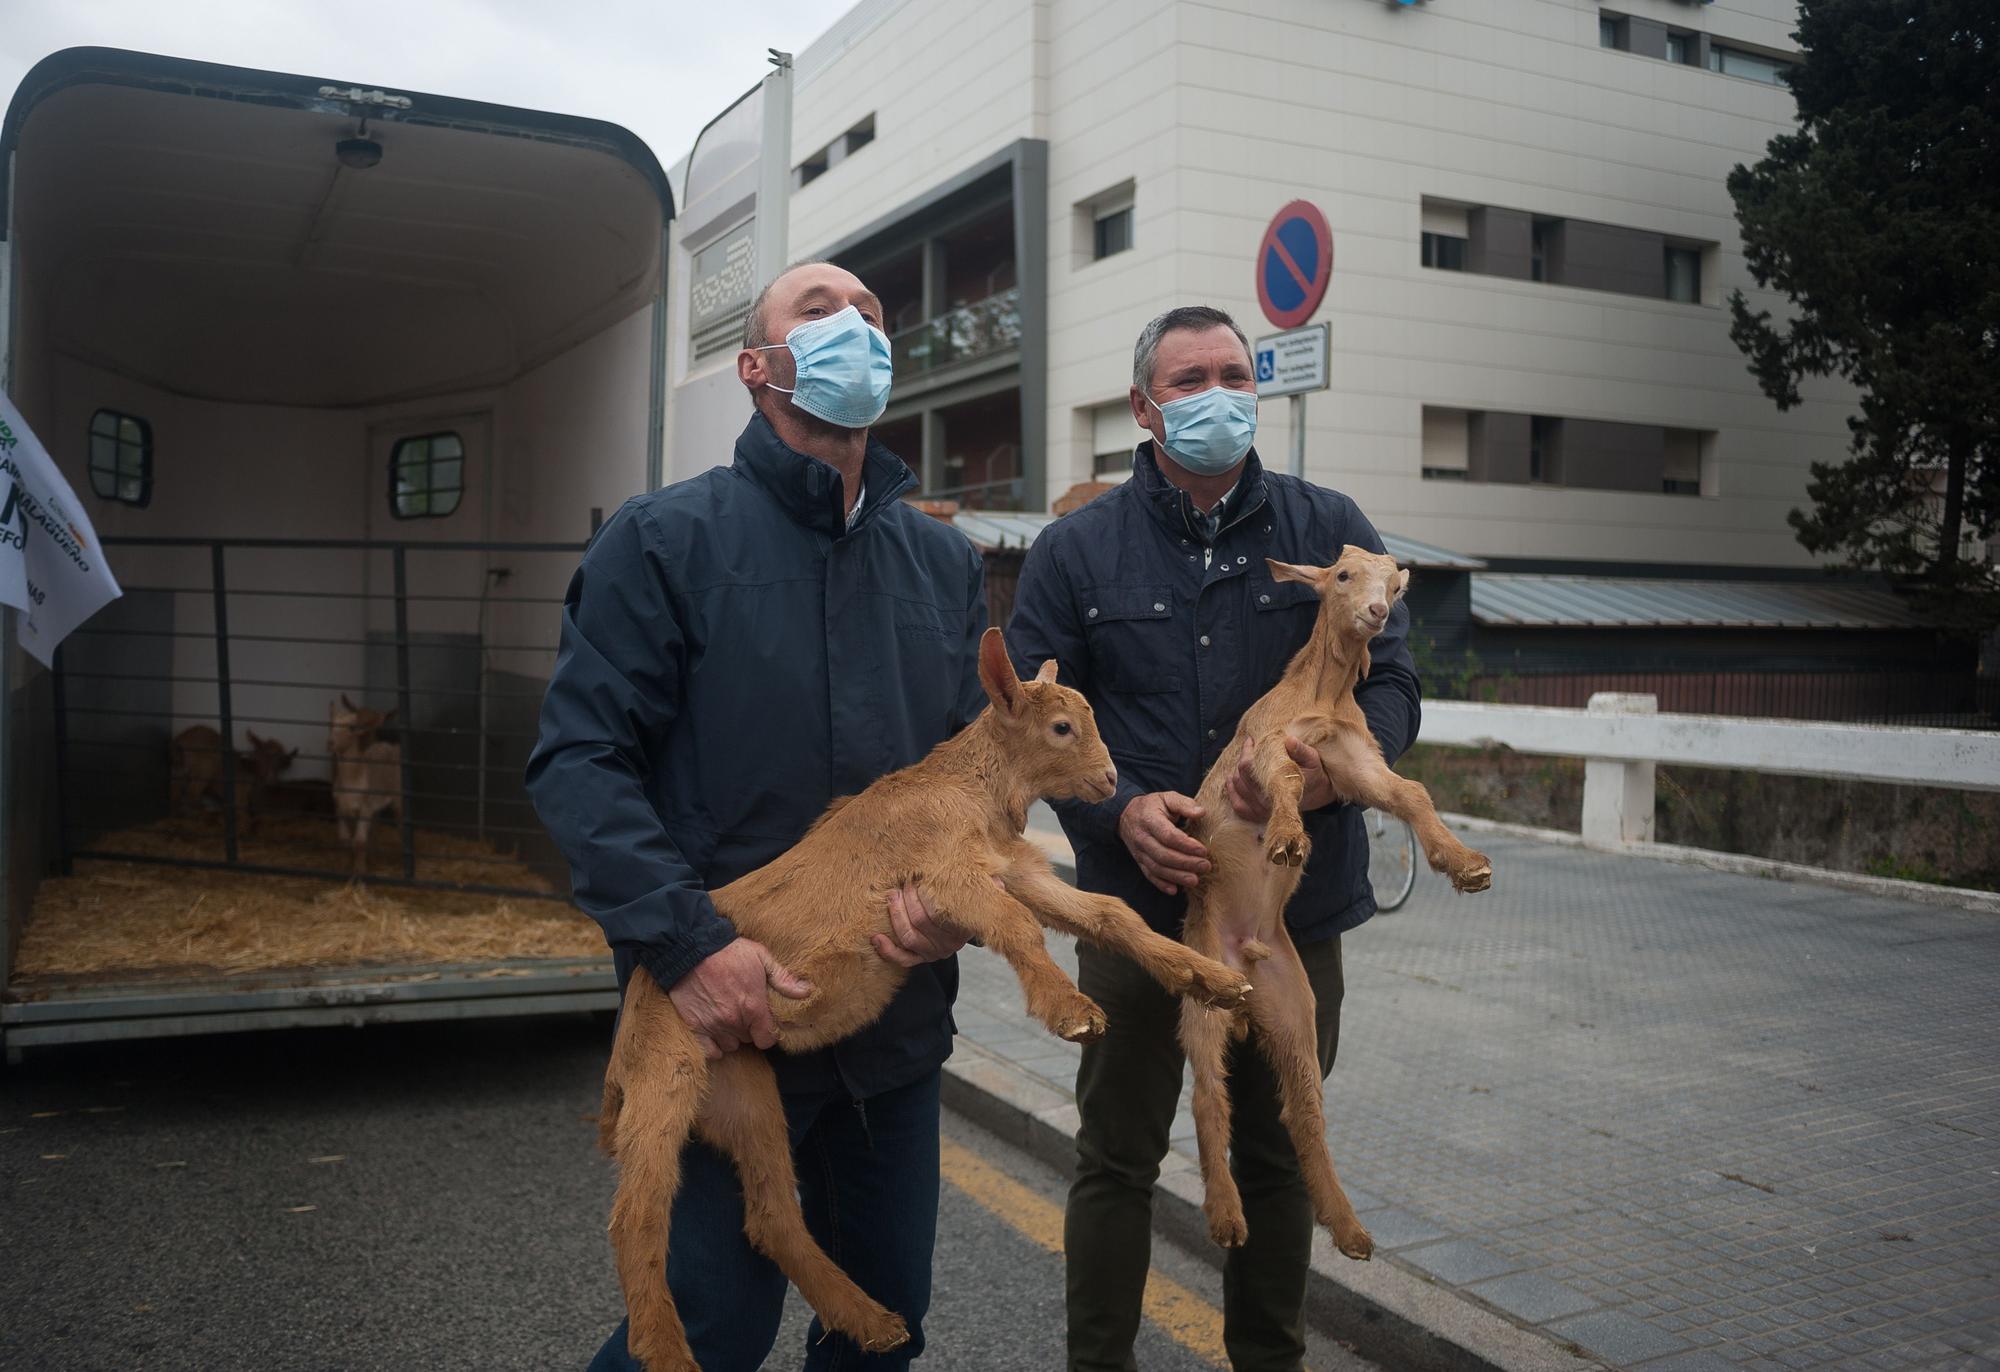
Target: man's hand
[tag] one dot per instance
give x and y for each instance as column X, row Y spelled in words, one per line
column 1247, row 798
column 920, row 936
column 726, row 999
column 1171, row 858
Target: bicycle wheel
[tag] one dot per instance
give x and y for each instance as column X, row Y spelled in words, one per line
column 1392, row 859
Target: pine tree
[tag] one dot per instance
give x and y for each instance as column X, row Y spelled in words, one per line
column 1879, row 218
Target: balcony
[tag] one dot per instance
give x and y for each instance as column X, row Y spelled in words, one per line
column 966, row 334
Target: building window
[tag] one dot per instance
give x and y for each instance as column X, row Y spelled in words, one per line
column 1542, row 464
column 1751, row 66
column 1444, row 252
column 426, row 476
column 1111, row 233
column 1610, row 31
column 121, row 458
column 813, row 168
column 1684, row 274
column 861, row 135
column 1538, row 249
column 1678, row 46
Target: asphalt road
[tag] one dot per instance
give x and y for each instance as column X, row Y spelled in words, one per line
column 424, row 1196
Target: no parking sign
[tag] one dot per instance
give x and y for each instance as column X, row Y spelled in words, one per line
column 1294, row 264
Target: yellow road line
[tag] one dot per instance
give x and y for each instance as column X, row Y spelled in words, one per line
column 1188, row 1320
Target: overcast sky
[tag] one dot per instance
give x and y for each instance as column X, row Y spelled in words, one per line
column 662, row 69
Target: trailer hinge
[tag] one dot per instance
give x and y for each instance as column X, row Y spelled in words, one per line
column 354, row 95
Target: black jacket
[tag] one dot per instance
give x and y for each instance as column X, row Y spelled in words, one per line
column 734, row 657
column 1172, row 639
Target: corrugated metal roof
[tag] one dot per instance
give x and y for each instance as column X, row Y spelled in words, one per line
column 1011, row 529
column 1529, row 600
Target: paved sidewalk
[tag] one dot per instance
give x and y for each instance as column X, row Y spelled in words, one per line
column 1675, row 1118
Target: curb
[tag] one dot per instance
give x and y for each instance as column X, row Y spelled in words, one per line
column 1391, row 1313
column 1739, row 864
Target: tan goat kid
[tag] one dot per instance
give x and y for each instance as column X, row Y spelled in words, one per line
column 367, row 774
column 951, row 823
column 1237, row 913
column 195, row 763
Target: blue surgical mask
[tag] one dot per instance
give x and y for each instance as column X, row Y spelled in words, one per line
column 1210, row 432
column 844, row 369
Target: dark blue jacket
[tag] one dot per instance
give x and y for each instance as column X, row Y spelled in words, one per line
column 734, row 657
column 1172, row 640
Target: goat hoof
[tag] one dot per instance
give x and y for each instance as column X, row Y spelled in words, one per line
column 1087, row 1027
column 1289, row 851
column 1228, row 1231
column 884, row 1333
column 1354, row 1241
column 1474, row 876
column 1223, row 988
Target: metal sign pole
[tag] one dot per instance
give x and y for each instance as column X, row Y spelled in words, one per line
column 1299, row 435
column 774, row 171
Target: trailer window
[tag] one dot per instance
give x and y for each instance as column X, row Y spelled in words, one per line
column 426, row 476
column 121, row 457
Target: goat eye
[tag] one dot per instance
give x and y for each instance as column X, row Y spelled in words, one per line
column 1062, row 727
column 1341, row 577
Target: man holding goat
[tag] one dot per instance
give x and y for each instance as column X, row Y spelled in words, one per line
column 738, row 650
column 1156, row 601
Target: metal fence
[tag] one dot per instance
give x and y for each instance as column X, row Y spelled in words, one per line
column 263, row 638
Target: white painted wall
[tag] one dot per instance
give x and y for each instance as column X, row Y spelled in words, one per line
column 1221, row 111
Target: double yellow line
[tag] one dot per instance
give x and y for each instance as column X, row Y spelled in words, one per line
column 1188, row 1320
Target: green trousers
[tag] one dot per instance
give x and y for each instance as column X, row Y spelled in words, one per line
column 1126, row 1092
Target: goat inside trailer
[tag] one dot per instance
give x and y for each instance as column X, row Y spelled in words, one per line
column 341, row 376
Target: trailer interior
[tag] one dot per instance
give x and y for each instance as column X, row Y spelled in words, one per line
column 344, row 378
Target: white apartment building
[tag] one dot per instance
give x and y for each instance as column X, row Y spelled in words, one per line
column 1533, row 249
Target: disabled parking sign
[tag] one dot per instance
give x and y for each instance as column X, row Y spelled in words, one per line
column 1294, row 264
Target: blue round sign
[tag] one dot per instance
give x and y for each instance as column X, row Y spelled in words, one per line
column 1294, row 264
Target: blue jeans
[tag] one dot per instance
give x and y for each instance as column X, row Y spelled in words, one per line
column 868, row 1181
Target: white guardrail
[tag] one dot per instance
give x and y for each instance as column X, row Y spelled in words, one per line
column 1622, row 737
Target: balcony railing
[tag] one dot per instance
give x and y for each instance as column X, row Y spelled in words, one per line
column 972, row 331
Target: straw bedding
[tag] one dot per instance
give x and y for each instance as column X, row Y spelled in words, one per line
column 127, row 916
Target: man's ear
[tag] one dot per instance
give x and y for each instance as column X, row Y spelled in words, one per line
column 1291, row 571
column 1048, row 672
column 996, row 674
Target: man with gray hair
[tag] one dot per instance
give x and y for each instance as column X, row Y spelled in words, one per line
column 1156, row 601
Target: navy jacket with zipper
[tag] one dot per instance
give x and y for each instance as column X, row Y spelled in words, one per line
column 734, row 657
column 1171, row 638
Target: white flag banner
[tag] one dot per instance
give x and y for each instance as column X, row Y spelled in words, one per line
column 52, row 568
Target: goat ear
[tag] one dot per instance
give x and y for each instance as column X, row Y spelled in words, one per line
column 1048, row 672
column 251, row 734
column 1289, row 571
column 289, row 756
column 996, row 674
column 1402, row 580
column 345, row 703
column 387, row 715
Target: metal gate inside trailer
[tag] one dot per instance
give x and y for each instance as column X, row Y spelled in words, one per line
column 192, row 738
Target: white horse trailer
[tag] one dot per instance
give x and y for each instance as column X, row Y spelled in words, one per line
column 345, row 377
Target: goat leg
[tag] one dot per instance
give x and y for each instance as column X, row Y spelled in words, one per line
column 661, row 1077
column 1285, row 841
column 1111, row 924
column 1009, row 928
column 1281, row 1016
column 744, row 1119
column 1356, row 768
column 1205, row 1035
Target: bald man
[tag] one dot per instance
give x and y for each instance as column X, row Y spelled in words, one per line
column 737, row 650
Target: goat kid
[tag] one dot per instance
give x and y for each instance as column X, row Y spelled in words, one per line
column 367, row 773
column 195, row 760
column 1237, row 912
column 953, row 824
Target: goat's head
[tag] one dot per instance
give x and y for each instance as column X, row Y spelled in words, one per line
column 1356, row 592
column 1046, row 730
column 349, row 728
column 268, row 757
